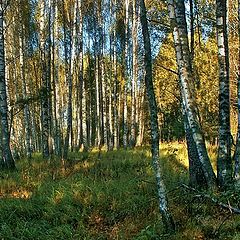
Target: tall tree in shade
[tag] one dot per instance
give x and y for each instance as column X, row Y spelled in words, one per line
column 162, row 197
column 224, row 163
column 8, row 161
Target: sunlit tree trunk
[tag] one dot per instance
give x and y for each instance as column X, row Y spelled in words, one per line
column 115, row 85
column 178, row 23
column 237, row 149
column 162, row 197
column 69, row 68
column 55, row 82
column 24, row 92
column 98, row 116
column 134, row 73
column 82, row 121
column 224, row 162
column 140, row 114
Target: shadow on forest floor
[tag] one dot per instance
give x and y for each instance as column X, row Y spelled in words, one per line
column 106, row 196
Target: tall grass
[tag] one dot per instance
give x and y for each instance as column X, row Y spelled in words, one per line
column 107, row 196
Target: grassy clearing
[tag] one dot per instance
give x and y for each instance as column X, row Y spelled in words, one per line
column 111, row 197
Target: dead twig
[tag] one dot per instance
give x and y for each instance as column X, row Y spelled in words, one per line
column 214, row 200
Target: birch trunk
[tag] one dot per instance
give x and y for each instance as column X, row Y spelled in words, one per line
column 26, row 113
column 224, row 162
column 125, row 108
column 45, row 90
column 82, row 124
column 7, row 154
column 178, row 22
column 134, row 73
column 141, row 126
column 115, row 90
column 69, row 69
column 237, row 149
column 55, row 82
column 162, row 196
column 98, row 125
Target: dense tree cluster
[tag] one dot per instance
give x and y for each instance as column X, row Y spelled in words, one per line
column 76, row 74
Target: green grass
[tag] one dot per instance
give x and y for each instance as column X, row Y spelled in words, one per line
column 108, row 197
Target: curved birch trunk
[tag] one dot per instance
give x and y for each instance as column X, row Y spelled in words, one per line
column 224, row 162
column 178, row 22
column 162, row 197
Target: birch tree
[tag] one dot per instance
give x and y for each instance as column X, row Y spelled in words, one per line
column 45, row 80
column 125, row 108
column 7, row 154
column 237, row 149
column 178, row 22
column 162, row 197
column 224, row 163
column 134, row 72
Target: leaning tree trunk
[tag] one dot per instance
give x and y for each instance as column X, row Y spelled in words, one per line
column 237, row 149
column 224, row 162
column 178, row 22
column 163, row 203
column 7, row 154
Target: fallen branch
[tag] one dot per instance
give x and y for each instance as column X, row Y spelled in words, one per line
column 214, row 200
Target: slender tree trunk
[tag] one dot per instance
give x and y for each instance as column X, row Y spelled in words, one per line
column 135, row 73
column 192, row 29
column 115, row 85
column 45, row 90
column 237, row 149
column 178, row 23
column 24, row 92
column 224, row 162
column 82, row 122
column 7, row 154
column 125, row 108
column 163, row 203
column 55, row 82
column 141, row 119
column 69, row 68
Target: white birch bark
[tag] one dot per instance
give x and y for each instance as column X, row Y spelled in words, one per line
column 24, row 93
column 7, row 154
column 134, row 72
column 162, row 196
column 178, row 23
column 45, row 93
column 224, row 162
column 125, row 107
column 237, row 149
column 115, row 90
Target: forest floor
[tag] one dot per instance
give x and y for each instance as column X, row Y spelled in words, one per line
column 109, row 196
